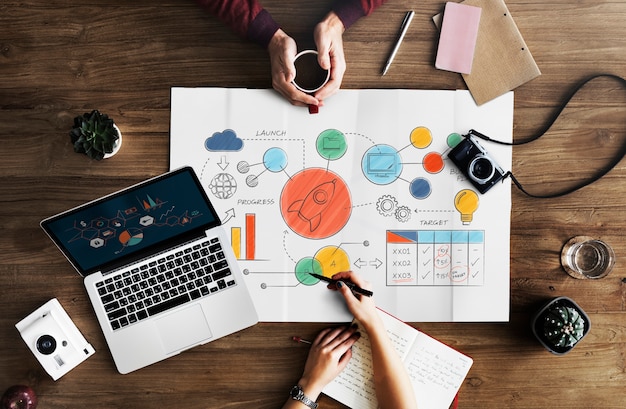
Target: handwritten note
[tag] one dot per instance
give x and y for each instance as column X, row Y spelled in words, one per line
column 354, row 387
column 436, row 370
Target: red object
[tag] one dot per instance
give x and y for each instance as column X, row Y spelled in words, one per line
column 455, row 403
column 250, row 236
column 19, row 397
column 314, row 109
column 300, row 339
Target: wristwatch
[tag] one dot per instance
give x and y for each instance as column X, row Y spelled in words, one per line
column 297, row 394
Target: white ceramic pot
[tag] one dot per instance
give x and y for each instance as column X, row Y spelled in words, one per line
column 117, row 145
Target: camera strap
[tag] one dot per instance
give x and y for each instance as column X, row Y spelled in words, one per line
column 599, row 174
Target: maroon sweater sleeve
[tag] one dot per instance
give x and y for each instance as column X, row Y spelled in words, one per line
column 349, row 11
column 250, row 20
column 247, row 18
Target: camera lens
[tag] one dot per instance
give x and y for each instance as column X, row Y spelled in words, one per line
column 46, row 344
column 481, row 169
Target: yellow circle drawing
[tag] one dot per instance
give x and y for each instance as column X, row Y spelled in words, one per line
column 333, row 260
column 421, row 137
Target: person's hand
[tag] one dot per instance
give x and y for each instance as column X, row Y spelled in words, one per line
column 363, row 308
column 328, row 37
column 282, row 50
column 329, row 355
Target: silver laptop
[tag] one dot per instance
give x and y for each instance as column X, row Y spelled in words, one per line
column 158, row 268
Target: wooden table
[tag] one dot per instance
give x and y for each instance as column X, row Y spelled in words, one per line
column 61, row 58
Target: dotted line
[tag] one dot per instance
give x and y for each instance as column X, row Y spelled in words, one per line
column 285, row 248
column 283, row 140
column 434, row 211
column 204, row 167
column 362, row 136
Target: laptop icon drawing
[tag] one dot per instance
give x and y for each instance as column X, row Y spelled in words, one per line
column 158, row 268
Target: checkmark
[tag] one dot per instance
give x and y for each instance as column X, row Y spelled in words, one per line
column 427, row 263
column 475, row 274
column 424, row 276
column 426, row 251
column 475, row 261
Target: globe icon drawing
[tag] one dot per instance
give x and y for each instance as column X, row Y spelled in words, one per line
column 223, row 186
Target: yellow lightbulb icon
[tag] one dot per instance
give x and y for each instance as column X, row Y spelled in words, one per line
column 466, row 202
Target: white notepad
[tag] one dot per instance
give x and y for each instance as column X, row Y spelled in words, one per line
column 436, row 370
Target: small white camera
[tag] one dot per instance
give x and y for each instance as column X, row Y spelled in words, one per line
column 54, row 339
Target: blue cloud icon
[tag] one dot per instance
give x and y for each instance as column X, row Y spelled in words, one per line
column 223, row 141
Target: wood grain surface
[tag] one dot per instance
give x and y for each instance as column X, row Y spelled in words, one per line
column 60, row 58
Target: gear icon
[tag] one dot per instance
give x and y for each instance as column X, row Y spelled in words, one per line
column 386, row 205
column 403, row 214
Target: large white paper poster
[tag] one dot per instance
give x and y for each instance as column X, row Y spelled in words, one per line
column 364, row 185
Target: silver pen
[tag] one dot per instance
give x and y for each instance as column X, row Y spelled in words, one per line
column 403, row 29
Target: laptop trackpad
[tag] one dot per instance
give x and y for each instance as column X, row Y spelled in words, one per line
column 183, row 329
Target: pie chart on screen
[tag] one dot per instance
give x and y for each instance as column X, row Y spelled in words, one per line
column 131, row 237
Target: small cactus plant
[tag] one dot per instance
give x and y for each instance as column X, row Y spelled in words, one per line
column 563, row 326
column 560, row 324
column 94, row 134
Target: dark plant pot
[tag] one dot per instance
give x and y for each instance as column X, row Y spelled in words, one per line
column 544, row 313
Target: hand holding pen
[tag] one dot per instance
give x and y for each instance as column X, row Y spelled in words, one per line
column 353, row 287
column 362, row 308
column 331, row 350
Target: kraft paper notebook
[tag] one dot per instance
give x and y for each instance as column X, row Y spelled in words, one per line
column 502, row 60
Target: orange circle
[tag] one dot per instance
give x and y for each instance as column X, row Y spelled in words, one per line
column 433, row 162
column 315, row 203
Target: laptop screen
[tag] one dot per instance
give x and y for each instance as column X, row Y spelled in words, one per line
column 133, row 223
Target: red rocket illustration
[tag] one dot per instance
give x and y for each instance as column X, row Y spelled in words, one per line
column 310, row 208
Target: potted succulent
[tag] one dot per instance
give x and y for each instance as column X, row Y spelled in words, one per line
column 95, row 135
column 560, row 325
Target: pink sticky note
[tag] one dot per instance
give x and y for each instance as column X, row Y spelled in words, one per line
column 459, row 31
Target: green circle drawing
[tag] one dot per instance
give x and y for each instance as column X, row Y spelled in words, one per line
column 331, row 144
column 304, row 267
column 454, row 139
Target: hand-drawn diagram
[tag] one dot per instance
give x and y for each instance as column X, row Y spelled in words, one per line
column 302, row 196
column 316, row 203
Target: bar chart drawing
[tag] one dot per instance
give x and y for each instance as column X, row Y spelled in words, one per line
column 235, row 241
column 244, row 245
column 250, row 235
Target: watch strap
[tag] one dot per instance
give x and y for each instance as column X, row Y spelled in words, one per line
column 298, row 394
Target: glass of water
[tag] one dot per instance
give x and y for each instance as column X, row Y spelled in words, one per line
column 587, row 258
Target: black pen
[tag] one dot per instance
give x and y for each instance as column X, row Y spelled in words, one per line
column 355, row 288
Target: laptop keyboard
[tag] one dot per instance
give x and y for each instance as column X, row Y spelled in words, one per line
column 190, row 273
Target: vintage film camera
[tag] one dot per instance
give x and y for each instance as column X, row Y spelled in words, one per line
column 54, row 339
column 472, row 159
